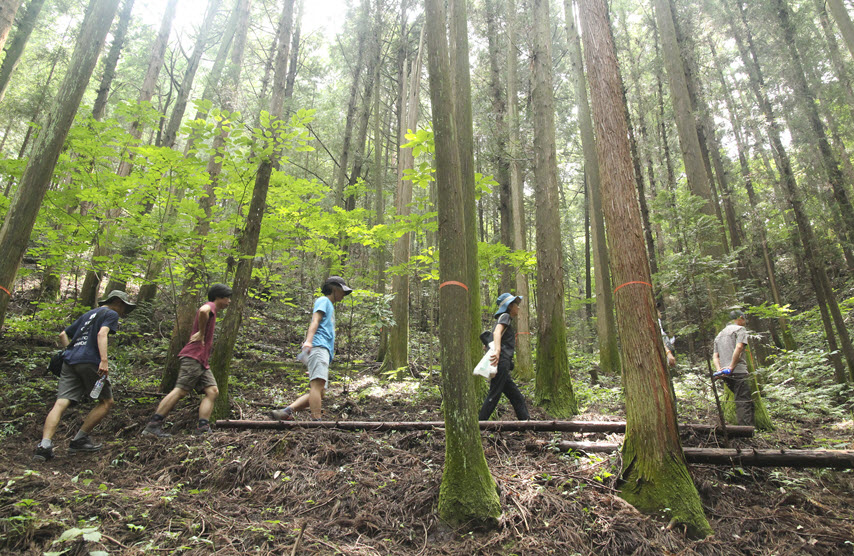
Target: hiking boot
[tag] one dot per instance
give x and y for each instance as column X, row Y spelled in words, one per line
column 42, row 454
column 155, row 429
column 204, row 429
column 84, row 444
column 282, row 414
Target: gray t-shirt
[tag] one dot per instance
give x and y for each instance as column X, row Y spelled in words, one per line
column 726, row 342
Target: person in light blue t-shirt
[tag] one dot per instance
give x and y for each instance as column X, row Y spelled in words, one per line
column 318, row 350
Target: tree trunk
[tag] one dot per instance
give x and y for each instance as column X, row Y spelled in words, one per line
column 609, row 352
column 843, row 20
column 99, row 108
column 24, row 208
column 654, row 477
column 524, row 360
column 695, row 170
column 380, row 127
column 460, row 66
column 468, row 493
column 294, row 63
column 248, row 241
column 553, row 390
column 195, row 280
column 19, row 41
column 397, row 356
column 8, row 9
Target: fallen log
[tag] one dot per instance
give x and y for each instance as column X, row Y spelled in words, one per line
column 617, row 427
column 747, row 457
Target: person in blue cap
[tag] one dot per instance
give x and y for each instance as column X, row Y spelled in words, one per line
column 504, row 347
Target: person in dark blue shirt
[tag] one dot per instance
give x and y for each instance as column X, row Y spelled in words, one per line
column 85, row 361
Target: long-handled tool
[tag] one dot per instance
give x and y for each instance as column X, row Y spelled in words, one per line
column 718, row 402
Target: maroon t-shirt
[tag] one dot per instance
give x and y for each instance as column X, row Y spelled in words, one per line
column 195, row 350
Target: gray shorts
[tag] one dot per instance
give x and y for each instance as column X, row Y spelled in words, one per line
column 76, row 381
column 318, row 364
column 192, row 376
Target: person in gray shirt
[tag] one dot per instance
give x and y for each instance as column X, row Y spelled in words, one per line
column 730, row 344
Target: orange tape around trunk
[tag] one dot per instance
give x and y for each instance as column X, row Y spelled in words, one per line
column 632, row 282
column 453, row 283
column 7, row 291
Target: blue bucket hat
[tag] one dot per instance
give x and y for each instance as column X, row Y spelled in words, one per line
column 504, row 301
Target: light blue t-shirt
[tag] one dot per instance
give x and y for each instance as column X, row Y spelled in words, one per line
column 325, row 335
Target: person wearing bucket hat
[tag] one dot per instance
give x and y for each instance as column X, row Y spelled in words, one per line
column 84, row 362
column 504, row 347
column 195, row 372
column 318, row 350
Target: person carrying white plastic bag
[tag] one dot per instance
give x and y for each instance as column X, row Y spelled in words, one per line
column 485, row 368
column 502, row 348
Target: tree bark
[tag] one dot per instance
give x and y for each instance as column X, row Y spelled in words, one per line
column 654, row 477
column 553, row 391
column 247, row 247
column 24, row 208
column 19, row 41
column 467, row 494
column 843, row 20
column 524, row 360
column 8, row 9
column 99, row 108
column 609, row 352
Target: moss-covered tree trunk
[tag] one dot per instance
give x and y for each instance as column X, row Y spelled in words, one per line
column 553, row 391
column 654, row 477
column 468, row 493
column 21, row 216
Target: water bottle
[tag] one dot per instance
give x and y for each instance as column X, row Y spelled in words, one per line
column 96, row 390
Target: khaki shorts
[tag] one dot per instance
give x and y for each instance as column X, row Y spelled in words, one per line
column 318, row 365
column 76, row 381
column 192, row 376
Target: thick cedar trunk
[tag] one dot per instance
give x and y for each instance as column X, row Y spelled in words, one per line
column 397, row 355
column 609, row 353
column 24, row 207
column 524, row 360
column 467, row 494
column 380, row 127
column 195, row 280
column 19, row 41
column 654, row 477
column 247, row 244
column 553, row 386
column 99, row 108
column 461, row 85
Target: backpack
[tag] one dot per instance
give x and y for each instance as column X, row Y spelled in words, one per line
column 55, row 364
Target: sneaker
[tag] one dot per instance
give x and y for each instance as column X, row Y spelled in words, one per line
column 155, row 429
column 43, row 454
column 204, row 429
column 84, row 444
column 282, row 414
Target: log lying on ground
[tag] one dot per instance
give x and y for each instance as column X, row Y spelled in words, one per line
column 748, row 457
column 540, row 426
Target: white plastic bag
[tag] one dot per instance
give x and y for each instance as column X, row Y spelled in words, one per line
column 484, row 368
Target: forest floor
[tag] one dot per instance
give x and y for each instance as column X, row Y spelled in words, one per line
column 340, row 492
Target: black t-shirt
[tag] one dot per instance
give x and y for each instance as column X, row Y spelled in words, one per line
column 508, row 338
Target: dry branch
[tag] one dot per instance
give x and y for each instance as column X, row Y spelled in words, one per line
column 538, row 426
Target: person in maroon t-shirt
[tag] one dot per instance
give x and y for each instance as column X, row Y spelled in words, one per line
column 195, row 373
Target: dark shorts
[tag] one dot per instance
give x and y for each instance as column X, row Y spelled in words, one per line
column 192, row 376
column 76, row 381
